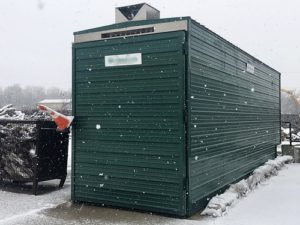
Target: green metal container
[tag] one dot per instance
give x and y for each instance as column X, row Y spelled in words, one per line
column 167, row 114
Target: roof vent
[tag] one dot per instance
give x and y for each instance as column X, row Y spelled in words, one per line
column 141, row 11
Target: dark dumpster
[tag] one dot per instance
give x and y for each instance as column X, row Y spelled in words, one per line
column 32, row 151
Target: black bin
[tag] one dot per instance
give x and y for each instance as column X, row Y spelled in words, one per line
column 48, row 162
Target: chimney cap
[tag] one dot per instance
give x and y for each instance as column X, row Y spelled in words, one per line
column 141, row 11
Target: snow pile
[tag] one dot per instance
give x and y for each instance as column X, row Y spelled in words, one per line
column 286, row 131
column 218, row 205
column 17, row 142
column 9, row 112
column 295, row 137
column 38, row 116
column 17, row 149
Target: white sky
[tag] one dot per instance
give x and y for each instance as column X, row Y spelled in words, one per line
column 36, row 35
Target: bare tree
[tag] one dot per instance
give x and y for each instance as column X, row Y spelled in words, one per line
column 290, row 102
column 27, row 98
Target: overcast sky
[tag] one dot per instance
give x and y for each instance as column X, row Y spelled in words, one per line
column 36, row 35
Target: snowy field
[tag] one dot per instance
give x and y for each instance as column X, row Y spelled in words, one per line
column 274, row 202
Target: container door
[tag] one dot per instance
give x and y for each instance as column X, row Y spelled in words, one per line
column 129, row 129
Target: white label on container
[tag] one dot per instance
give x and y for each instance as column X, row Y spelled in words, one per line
column 123, row 60
column 250, row 68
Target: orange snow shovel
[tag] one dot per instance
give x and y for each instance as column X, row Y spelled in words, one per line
column 61, row 120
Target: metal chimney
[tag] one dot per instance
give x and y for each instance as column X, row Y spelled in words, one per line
column 141, row 11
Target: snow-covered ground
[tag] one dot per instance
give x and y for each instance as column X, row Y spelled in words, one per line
column 219, row 204
column 274, row 202
column 18, row 203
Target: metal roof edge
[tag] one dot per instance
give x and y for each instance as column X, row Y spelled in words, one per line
column 165, row 20
column 131, row 23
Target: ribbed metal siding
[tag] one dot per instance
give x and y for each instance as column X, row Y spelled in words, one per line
column 136, row 159
column 234, row 115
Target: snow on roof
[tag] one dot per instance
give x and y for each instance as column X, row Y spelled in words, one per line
column 67, row 100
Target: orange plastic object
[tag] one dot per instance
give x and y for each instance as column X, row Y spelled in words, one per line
column 60, row 120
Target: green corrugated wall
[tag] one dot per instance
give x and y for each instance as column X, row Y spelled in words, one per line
column 175, row 130
column 135, row 158
column 234, row 114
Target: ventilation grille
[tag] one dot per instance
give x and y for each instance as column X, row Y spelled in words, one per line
column 127, row 32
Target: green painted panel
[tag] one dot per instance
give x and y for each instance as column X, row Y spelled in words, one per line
column 135, row 158
column 175, row 130
column 234, row 115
